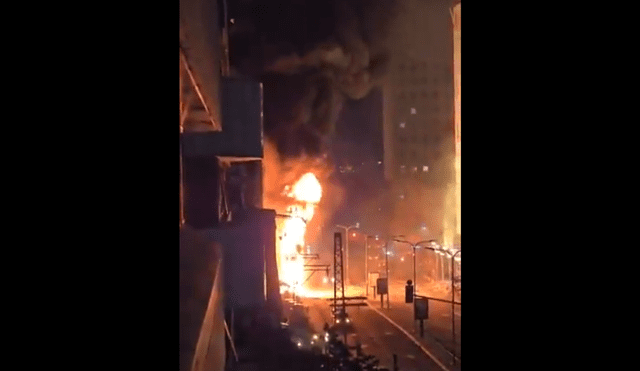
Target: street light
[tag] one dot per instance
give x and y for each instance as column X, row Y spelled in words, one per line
column 386, row 250
column 356, row 226
column 440, row 254
column 366, row 263
column 413, row 246
column 453, row 296
column 453, row 259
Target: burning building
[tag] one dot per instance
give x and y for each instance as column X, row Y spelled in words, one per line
column 304, row 195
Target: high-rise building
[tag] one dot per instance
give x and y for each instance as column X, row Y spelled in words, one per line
column 418, row 95
column 418, row 118
column 456, row 14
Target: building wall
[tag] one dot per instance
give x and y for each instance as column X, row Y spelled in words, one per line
column 418, row 100
column 418, row 118
column 457, row 28
column 201, row 43
column 201, row 319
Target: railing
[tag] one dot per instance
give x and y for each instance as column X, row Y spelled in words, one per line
column 210, row 350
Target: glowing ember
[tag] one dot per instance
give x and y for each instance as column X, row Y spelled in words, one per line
column 305, row 195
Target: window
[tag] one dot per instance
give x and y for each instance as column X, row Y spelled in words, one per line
column 403, row 125
column 425, row 168
column 413, row 111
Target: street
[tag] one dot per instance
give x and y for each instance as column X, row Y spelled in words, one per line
column 378, row 337
column 437, row 328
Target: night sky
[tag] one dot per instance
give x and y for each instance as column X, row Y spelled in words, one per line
column 313, row 58
column 320, row 63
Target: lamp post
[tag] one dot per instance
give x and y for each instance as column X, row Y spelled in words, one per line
column 453, row 319
column 413, row 247
column 386, row 252
column 453, row 295
column 357, row 225
column 386, row 267
column 366, row 262
column 440, row 264
column 440, row 254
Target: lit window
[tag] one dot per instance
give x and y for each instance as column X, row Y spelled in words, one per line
column 425, row 168
column 414, row 169
column 403, row 124
column 413, row 111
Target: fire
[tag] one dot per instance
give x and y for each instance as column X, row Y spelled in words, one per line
column 307, row 189
column 305, row 194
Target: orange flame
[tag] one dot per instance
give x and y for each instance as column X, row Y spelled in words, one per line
column 305, row 195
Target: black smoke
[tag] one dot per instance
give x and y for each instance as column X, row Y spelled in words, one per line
column 310, row 56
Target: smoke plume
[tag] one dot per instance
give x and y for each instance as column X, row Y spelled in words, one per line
column 310, row 57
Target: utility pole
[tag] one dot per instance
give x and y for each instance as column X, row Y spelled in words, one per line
column 366, row 265
column 386, row 264
column 366, row 262
column 346, row 233
column 338, row 275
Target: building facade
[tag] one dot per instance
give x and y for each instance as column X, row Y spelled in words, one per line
column 418, row 94
column 457, row 28
column 418, row 107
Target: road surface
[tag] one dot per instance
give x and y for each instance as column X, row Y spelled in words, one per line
column 438, row 328
column 378, row 337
